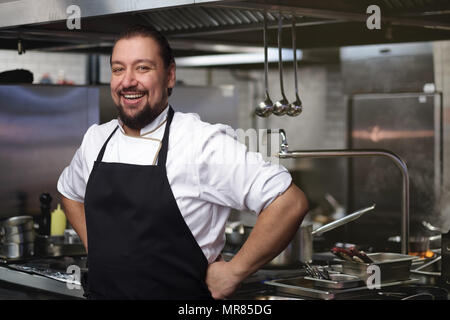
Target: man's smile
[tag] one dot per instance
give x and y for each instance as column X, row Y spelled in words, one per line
column 132, row 97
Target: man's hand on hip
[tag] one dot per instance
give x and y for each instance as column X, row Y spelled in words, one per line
column 221, row 279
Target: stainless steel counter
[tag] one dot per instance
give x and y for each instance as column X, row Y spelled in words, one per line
column 28, row 281
column 38, row 286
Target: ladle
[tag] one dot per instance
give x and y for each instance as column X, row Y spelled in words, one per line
column 265, row 108
column 282, row 105
column 295, row 108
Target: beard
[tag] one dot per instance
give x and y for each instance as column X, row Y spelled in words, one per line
column 142, row 118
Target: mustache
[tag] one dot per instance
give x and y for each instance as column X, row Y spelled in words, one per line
column 132, row 89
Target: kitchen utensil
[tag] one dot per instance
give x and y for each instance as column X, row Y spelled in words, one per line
column 337, row 281
column 304, row 287
column 265, row 108
column 342, row 253
column 12, row 250
column 295, row 108
column 316, row 273
column 45, row 220
column 281, row 106
column 393, row 266
column 430, row 227
column 435, row 241
column 21, row 237
column 342, row 221
column 18, row 224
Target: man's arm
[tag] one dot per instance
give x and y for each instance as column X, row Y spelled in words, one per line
column 74, row 211
column 274, row 229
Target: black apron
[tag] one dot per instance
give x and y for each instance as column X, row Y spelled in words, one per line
column 139, row 246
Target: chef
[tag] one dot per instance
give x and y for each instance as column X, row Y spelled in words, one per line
column 149, row 193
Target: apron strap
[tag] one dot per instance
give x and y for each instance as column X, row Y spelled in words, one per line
column 102, row 151
column 162, row 156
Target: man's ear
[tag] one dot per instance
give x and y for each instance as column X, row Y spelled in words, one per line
column 171, row 76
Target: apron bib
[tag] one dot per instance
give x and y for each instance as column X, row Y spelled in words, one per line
column 139, row 246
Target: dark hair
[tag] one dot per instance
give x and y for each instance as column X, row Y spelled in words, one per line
column 149, row 32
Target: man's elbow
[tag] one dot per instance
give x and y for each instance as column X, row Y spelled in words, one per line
column 301, row 203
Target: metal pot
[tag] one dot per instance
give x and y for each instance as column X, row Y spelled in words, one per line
column 17, row 224
column 17, row 237
column 11, row 250
column 22, row 237
column 18, row 229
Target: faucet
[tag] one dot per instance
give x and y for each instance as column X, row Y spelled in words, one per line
column 400, row 163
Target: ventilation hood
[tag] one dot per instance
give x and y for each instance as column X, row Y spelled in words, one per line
column 197, row 27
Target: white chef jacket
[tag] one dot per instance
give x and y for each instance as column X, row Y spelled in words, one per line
column 209, row 171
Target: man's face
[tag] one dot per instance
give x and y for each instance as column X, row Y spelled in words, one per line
column 139, row 80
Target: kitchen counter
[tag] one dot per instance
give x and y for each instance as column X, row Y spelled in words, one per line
column 18, row 284
column 40, row 279
column 21, row 285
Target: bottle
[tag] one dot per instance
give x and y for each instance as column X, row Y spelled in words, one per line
column 58, row 222
column 44, row 221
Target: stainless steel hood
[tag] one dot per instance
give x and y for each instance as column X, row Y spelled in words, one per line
column 199, row 26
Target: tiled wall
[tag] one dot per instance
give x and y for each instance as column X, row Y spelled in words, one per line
column 70, row 65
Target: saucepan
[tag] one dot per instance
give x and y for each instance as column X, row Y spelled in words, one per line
column 17, row 237
column 300, row 249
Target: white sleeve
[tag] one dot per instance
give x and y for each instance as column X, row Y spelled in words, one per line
column 73, row 180
column 232, row 176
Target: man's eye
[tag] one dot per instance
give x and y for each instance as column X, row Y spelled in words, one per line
column 116, row 70
column 143, row 68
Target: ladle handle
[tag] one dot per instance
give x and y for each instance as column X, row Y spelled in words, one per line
column 266, row 65
column 294, row 49
column 280, row 55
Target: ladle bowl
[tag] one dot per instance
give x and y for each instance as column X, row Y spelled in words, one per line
column 264, row 108
column 280, row 107
column 295, row 108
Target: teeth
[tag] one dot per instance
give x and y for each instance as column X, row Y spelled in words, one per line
column 133, row 96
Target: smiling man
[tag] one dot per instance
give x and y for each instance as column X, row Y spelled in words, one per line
column 140, row 85
column 149, row 204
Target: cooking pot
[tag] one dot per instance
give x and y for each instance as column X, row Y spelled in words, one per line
column 18, row 224
column 11, row 250
column 18, row 229
column 300, row 249
column 17, row 237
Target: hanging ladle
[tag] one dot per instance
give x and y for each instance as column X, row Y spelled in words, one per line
column 282, row 105
column 295, row 108
column 264, row 108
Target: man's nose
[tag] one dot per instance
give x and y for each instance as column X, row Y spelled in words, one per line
column 129, row 80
